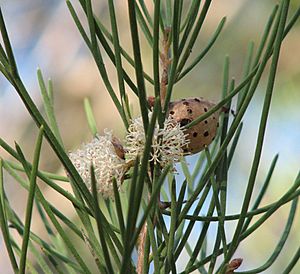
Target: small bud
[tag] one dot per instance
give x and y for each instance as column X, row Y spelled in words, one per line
column 233, row 265
column 151, row 101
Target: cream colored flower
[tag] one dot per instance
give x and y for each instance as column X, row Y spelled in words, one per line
column 107, row 164
column 167, row 143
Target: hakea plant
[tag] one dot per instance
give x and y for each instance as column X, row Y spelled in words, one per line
column 149, row 225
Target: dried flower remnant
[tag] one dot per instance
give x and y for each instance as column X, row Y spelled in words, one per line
column 167, row 143
column 107, row 160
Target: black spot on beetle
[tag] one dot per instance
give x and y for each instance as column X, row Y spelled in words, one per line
column 172, row 112
column 206, row 133
column 205, row 109
column 189, row 111
column 195, row 134
column 205, row 121
column 214, row 117
column 186, row 103
column 197, row 100
column 184, row 122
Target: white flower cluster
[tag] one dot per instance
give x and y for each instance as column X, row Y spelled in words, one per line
column 167, row 143
column 107, row 164
column 107, row 154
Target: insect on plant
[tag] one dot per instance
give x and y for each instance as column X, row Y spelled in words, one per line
column 133, row 212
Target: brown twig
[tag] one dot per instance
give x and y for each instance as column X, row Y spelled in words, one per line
column 165, row 62
column 141, row 249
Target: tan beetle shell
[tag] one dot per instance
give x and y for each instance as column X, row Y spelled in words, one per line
column 202, row 134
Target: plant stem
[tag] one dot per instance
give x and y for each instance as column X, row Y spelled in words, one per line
column 165, row 63
column 141, row 249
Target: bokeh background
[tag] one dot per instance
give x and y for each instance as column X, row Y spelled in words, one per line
column 43, row 35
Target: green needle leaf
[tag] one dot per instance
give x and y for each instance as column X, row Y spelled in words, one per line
column 4, row 225
column 102, row 234
column 90, row 117
column 32, row 186
column 48, row 104
column 8, row 47
column 280, row 244
column 138, row 62
column 205, row 51
column 277, row 46
column 292, row 263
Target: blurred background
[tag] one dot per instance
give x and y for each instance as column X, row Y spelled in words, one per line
column 43, row 35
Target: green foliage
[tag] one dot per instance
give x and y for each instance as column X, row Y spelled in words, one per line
column 137, row 219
